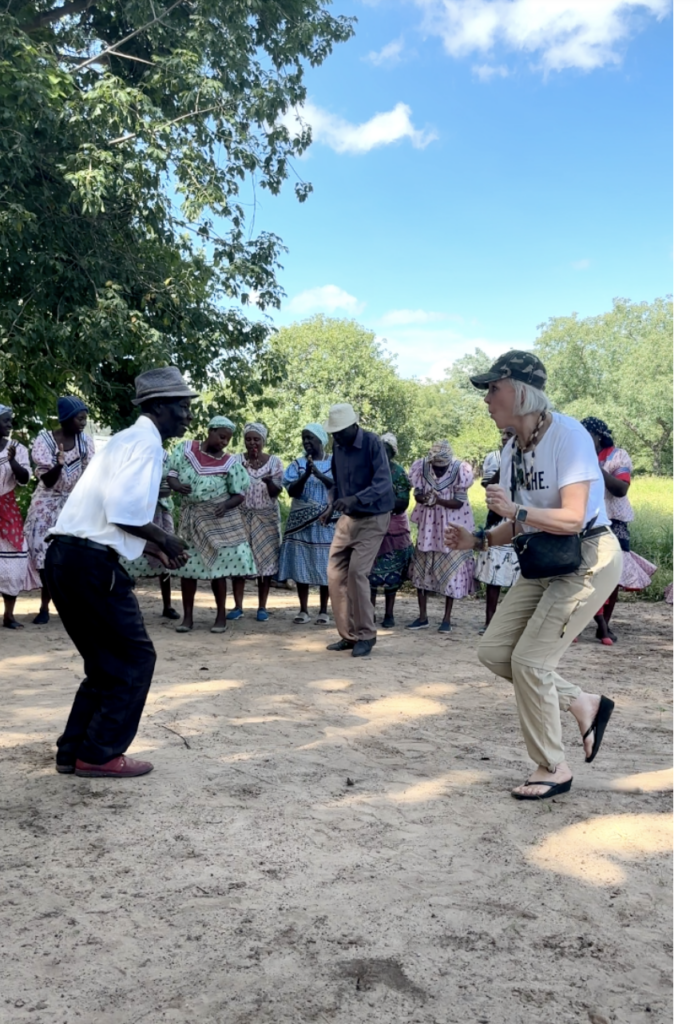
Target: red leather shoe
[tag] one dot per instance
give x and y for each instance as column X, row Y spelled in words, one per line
column 120, row 767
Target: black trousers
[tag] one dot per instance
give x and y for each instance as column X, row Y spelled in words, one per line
column 95, row 600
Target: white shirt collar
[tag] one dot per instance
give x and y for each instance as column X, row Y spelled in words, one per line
column 145, row 423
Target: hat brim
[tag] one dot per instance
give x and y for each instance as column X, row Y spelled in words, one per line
column 174, row 393
column 334, row 428
column 483, row 380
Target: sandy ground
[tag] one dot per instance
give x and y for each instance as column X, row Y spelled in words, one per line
column 332, row 840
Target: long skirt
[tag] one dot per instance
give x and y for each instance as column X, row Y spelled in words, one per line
column 149, row 565
column 497, row 567
column 264, row 532
column 13, row 568
column 451, row 574
column 392, row 564
column 637, row 571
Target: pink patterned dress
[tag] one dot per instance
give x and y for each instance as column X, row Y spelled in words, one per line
column 47, row 502
column 637, row 571
column 435, row 567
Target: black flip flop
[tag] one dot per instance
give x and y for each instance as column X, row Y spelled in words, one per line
column 598, row 726
column 554, row 789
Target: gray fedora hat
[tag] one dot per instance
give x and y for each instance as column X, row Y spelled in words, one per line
column 164, row 382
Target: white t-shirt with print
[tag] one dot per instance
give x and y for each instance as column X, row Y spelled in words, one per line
column 564, row 455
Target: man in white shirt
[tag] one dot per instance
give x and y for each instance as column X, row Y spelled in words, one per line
column 109, row 514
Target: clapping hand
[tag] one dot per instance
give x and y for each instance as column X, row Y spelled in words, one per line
column 11, row 451
column 60, row 457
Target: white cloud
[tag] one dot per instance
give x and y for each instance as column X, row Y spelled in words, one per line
column 344, row 137
column 405, row 317
column 326, row 299
column 581, row 264
column 428, row 352
column 390, row 54
column 581, row 34
column 485, row 72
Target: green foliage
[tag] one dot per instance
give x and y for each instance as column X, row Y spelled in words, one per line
column 115, row 173
column 326, row 360
column 618, row 366
column 652, row 530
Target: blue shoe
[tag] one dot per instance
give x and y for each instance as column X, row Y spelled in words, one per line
column 418, row 624
column 445, row 627
column 262, row 616
column 237, row 613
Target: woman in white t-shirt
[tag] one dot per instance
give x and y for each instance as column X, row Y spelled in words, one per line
column 550, row 482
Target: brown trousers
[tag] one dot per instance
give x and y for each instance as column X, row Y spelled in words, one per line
column 352, row 554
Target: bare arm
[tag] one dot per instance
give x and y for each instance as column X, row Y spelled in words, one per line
column 618, row 488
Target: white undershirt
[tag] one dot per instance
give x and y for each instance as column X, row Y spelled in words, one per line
column 120, row 485
column 564, row 455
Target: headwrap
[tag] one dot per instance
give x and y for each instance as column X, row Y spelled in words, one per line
column 597, row 426
column 440, row 454
column 221, row 421
column 391, row 440
column 258, row 428
column 318, row 430
column 4, row 409
column 69, row 406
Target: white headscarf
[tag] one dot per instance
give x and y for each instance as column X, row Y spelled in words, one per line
column 258, row 428
column 391, row 440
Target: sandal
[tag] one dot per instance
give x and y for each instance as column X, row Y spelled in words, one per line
column 322, row 619
column 183, row 629
column 598, row 726
column 554, row 789
column 301, row 619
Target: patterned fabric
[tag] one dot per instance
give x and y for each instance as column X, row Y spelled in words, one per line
column 433, row 560
column 600, row 428
column 305, row 549
column 225, row 546
column 392, row 564
column 517, row 365
column 261, row 513
column 617, row 463
column 47, row 502
column 221, row 421
column 497, row 567
column 149, row 565
column 263, row 530
column 637, row 571
column 258, row 428
column 391, row 569
column 451, row 575
column 13, row 552
column 390, row 439
column 441, row 454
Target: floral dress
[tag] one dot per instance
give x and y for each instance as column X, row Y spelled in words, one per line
column 217, row 547
column 47, row 502
column 305, row 550
column 262, row 514
column 435, row 567
column 149, row 565
column 13, row 545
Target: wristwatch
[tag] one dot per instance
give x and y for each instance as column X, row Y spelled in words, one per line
column 521, row 515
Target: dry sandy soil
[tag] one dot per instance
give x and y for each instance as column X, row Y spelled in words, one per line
column 332, row 840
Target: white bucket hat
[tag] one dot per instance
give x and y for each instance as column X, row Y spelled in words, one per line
column 341, row 416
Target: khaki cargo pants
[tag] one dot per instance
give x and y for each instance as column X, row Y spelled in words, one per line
column 353, row 551
column 531, row 630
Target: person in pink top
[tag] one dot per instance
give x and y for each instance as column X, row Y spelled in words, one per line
column 441, row 484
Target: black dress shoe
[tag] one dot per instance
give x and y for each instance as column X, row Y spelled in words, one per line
column 341, row 645
column 362, row 648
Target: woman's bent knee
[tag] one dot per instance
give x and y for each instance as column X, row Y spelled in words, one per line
column 496, row 658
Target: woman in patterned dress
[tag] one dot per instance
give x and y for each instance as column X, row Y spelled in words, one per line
column 392, row 564
column 60, row 458
column 305, row 549
column 212, row 484
column 498, row 566
column 262, row 517
column 441, row 484
column 616, row 470
column 14, row 469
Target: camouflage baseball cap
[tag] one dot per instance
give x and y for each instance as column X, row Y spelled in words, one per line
column 516, row 365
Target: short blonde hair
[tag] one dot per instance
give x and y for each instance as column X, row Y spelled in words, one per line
column 528, row 399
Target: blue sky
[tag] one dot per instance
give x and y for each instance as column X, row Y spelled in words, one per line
column 479, row 166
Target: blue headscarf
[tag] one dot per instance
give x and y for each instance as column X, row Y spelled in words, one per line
column 70, row 406
column 319, row 431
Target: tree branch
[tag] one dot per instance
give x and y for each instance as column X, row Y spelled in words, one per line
column 159, row 127
column 58, row 13
column 131, row 35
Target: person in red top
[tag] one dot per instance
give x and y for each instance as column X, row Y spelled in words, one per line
column 616, row 470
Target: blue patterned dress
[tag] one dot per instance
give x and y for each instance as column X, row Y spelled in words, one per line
column 306, row 545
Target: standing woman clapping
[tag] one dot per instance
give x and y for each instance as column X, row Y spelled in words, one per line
column 60, row 458
column 14, row 469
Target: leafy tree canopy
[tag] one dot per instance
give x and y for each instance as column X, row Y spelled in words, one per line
column 617, row 366
column 127, row 129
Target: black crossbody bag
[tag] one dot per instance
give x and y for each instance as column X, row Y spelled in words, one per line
column 543, row 554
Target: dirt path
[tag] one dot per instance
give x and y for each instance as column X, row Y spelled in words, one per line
column 332, row 840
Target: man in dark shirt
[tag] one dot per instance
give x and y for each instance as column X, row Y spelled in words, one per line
column 363, row 493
